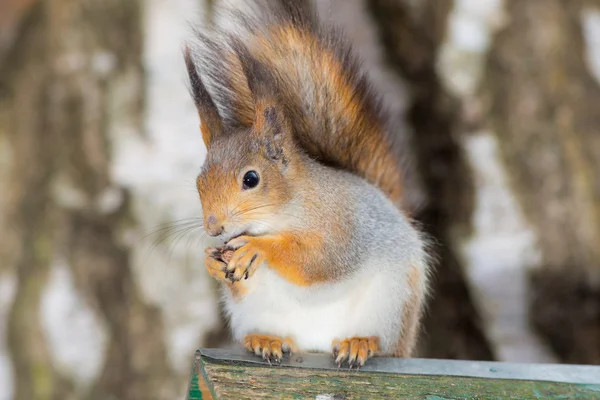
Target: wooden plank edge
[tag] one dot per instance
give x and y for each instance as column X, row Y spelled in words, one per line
column 193, row 391
column 558, row 373
column 198, row 377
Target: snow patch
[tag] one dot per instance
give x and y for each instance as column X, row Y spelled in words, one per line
column 76, row 337
column 498, row 256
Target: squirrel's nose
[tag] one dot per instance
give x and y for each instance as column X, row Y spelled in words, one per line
column 213, row 227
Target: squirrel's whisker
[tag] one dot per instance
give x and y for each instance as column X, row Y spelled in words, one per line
column 253, row 209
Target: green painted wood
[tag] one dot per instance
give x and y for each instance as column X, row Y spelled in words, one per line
column 239, row 375
column 194, row 392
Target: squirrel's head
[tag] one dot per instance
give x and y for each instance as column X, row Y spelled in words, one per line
column 247, row 177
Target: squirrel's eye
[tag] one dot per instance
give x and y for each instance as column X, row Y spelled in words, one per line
column 250, row 180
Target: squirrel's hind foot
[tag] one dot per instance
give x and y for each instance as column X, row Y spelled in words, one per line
column 356, row 350
column 269, row 347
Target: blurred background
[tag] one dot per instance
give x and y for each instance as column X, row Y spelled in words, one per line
column 103, row 292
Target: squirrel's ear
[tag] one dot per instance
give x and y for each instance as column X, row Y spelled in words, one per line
column 261, row 81
column 211, row 124
column 274, row 130
column 270, row 121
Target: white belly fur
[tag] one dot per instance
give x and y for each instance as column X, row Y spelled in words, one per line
column 367, row 304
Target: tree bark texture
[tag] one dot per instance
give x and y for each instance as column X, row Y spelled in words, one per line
column 59, row 91
column 544, row 105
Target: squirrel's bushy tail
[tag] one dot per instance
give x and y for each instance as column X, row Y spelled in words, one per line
column 317, row 79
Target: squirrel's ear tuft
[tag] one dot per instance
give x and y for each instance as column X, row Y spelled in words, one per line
column 270, row 122
column 261, row 81
column 211, row 124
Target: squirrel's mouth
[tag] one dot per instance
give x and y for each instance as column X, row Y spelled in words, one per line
column 235, row 234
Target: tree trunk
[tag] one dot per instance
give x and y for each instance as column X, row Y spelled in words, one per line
column 544, row 106
column 60, row 84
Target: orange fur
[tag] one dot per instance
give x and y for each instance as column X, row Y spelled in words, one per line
column 216, row 269
column 380, row 161
column 238, row 289
column 367, row 153
column 260, row 118
column 226, row 186
column 205, row 131
column 411, row 315
column 244, row 106
column 267, row 346
column 355, row 350
column 295, row 259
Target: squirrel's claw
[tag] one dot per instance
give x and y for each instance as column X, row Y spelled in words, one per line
column 355, row 350
column 216, row 268
column 269, row 347
column 212, row 251
column 266, row 354
column 246, row 258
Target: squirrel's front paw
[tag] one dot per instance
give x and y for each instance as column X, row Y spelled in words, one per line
column 247, row 256
column 356, row 349
column 269, row 346
column 217, row 268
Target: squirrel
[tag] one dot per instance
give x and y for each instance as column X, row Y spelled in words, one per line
column 302, row 183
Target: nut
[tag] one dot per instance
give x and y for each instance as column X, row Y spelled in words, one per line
column 226, row 255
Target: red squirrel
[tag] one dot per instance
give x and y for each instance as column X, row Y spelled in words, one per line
column 303, row 184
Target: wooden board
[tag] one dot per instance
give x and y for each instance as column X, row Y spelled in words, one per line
column 233, row 374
